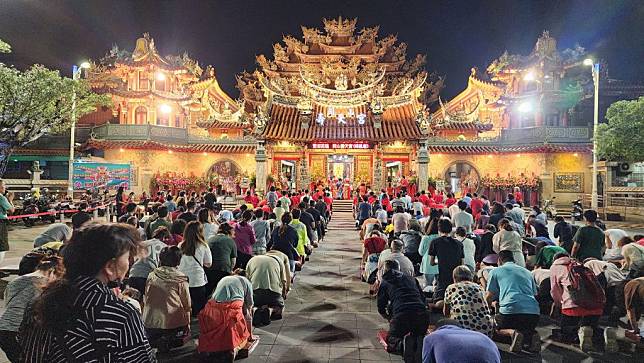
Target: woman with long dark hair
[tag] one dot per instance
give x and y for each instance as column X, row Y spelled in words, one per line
column 120, row 202
column 195, row 259
column 285, row 239
column 244, row 239
column 79, row 318
column 428, row 270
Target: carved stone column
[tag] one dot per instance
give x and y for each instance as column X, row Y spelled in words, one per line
column 377, row 173
column 423, row 167
column 260, row 167
column 305, row 179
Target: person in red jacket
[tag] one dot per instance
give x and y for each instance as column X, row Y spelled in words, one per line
column 438, row 197
column 477, row 206
column 450, row 200
column 423, row 198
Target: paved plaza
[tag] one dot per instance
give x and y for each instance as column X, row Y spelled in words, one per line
column 330, row 317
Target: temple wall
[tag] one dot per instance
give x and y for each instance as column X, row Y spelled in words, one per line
column 147, row 163
column 545, row 166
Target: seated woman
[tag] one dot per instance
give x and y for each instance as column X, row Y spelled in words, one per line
column 166, row 312
column 225, row 322
column 19, row 293
column 465, row 303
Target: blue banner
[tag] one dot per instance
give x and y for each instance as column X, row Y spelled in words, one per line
column 101, row 175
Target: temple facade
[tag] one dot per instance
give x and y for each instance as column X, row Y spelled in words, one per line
column 162, row 121
column 341, row 106
column 338, row 106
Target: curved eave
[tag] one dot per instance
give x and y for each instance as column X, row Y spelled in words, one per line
column 216, row 146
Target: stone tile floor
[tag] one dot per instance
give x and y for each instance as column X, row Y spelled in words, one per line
column 329, row 316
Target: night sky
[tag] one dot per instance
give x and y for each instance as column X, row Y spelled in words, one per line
column 455, row 35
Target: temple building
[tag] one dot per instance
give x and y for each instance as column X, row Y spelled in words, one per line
column 533, row 124
column 170, row 120
column 339, row 105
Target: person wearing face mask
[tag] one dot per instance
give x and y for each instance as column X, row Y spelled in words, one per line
column 19, row 294
column 79, row 318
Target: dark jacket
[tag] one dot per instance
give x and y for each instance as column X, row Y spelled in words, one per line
column 411, row 242
column 563, row 231
column 399, row 294
column 483, row 246
column 307, row 219
column 286, row 243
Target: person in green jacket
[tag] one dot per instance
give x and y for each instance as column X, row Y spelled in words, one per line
column 300, row 228
column 545, row 254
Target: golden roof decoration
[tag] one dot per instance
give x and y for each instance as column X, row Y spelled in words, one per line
column 340, row 27
column 337, row 63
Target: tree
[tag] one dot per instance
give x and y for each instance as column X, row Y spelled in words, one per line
column 622, row 138
column 4, row 47
column 36, row 102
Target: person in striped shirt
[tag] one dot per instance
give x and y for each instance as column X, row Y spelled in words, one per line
column 80, row 318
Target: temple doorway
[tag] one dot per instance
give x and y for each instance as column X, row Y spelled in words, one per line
column 394, row 171
column 340, row 166
column 287, row 174
column 462, row 177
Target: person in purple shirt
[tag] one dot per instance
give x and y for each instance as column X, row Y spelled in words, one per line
column 450, row 343
column 244, row 239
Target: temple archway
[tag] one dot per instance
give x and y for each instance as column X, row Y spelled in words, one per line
column 462, row 177
column 224, row 172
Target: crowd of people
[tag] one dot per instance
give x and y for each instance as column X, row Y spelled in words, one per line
column 488, row 271
column 127, row 290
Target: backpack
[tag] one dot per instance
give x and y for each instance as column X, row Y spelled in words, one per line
column 585, row 290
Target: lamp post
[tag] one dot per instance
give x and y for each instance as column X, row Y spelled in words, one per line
column 76, row 73
column 593, row 196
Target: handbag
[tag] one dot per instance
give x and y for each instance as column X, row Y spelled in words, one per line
column 200, row 265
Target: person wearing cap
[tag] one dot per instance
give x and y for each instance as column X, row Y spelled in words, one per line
column 488, row 263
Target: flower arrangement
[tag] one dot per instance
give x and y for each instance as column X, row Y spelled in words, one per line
column 176, row 181
column 501, row 182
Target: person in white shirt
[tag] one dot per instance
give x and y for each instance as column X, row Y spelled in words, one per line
column 209, row 228
column 285, row 201
column 400, row 220
column 469, row 248
column 612, row 236
column 196, row 257
column 462, row 218
column 453, row 209
column 381, row 216
column 407, row 199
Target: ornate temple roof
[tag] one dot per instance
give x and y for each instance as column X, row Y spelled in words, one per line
column 333, row 75
column 397, row 124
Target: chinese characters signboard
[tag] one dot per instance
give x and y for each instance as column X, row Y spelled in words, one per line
column 569, row 182
column 339, row 145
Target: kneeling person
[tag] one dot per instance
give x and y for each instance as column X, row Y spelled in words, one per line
column 166, row 312
column 518, row 310
column 269, row 278
column 401, row 301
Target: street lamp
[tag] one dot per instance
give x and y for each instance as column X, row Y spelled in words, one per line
column 593, row 196
column 76, row 73
column 530, row 76
column 525, row 107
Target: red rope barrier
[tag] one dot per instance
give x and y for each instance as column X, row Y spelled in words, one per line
column 56, row 212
